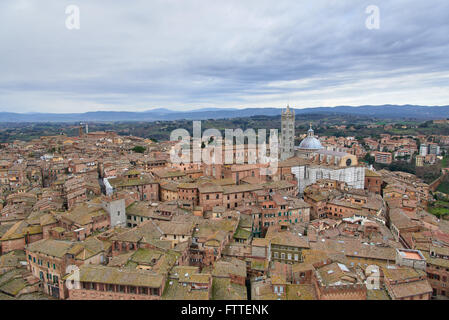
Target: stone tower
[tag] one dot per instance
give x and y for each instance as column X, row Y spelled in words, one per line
column 287, row 133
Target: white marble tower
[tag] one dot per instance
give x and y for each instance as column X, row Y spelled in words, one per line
column 287, row 133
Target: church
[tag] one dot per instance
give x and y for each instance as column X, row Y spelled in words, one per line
column 320, row 163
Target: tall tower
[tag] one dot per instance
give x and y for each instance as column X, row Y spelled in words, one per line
column 287, row 133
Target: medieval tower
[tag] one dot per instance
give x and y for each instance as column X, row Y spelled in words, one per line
column 287, row 133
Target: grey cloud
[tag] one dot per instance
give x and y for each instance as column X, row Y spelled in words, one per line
column 143, row 54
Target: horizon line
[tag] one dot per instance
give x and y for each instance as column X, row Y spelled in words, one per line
column 227, row 108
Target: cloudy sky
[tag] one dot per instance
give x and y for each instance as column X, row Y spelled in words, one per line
column 188, row 54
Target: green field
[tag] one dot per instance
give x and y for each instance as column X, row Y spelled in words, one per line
column 439, row 208
column 438, row 211
column 444, row 187
column 445, row 162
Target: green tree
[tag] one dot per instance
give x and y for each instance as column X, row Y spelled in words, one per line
column 139, row 149
column 369, row 159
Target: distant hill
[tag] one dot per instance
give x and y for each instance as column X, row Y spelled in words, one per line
column 384, row 111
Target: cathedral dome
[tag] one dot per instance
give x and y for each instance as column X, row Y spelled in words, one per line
column 310, row 142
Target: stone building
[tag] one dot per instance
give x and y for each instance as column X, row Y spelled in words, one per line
column 115, row 206
column 335, row 281
column 405, row 283
column 287, row 134
column 50, row 260
column 144, row 187
column 306, row 175
column 373, row 181
column 326, row 164
column 438, row 270
column 108, row 283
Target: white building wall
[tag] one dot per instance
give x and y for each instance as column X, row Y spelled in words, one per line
column 117, row 211
column 108, row 187
column 353, row 176
column 287, row 139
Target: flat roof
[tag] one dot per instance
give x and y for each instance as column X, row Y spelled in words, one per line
column 411, row 255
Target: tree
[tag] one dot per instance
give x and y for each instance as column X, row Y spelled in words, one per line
column 369, row 159
column 139, row 149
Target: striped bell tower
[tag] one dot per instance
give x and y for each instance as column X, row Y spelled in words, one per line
column 287, row 133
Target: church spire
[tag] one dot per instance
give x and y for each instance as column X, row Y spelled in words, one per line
column 310, row 132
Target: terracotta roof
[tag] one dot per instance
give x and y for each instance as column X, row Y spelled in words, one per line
column 370, row 173
column 54, row 248
column 111, row 275
column 408, row 289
